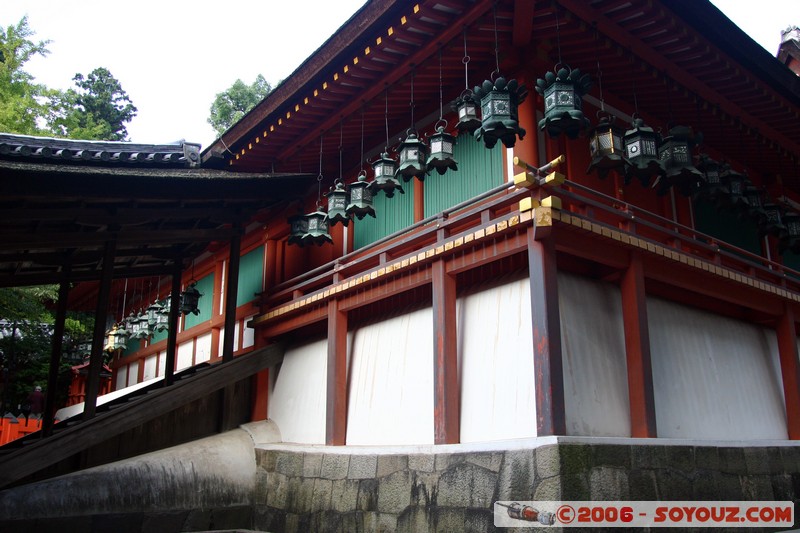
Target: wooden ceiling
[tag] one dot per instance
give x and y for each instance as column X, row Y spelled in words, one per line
column 676, row 62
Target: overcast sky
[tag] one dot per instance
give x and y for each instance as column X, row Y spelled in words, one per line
column 172, row 57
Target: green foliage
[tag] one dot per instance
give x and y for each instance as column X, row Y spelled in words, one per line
column 97, row 109
column 232, row 104
column 23, row 103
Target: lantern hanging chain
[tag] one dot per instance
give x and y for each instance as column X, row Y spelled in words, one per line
column 599, row 70
column 440, row 83
column 341, row 136
column 496, row 42
column 124, row 300
column 413, row 124
column 465, row 60
column 386, row 117
column 362, row 137
column 558, row 40
column 319, row 176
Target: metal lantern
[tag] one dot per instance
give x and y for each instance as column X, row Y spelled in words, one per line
column 736, row 183
column 317, row 229
column 111, row 339
column 641, row 153
column 413, row 154
column 500, row 111
column 441, row 157
column 298, row 225
column 773, row 223
column 189, row 300
column 675, row 153
column 162, row 317
column 360, row 204
column 134, row 326
column 144, row 327
column 153, row 311
column 121, row 337
column 755, row 201
column 337, row 203
column 712, row 187
column 467, row 110
column 385, row 169
column 791, row 239
column 606, row 148
column 563, row 102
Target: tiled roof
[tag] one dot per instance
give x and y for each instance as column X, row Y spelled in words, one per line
column 98, row 153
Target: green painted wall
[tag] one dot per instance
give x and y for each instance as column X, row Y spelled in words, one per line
column 206, row 288
column 726, row 226
column 391, row 214
column 251, row 274
column 479, row 169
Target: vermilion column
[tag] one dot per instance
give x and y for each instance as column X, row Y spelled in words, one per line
column 446, row 416
column 787, row 349
column 336, row 405
column 637, row 351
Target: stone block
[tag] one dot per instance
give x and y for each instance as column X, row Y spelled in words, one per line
column 344, row 495
column 414, row 520
column 649, row 456
column 756, row 487
column 367, row 495
column 350, row 522
column 389, row 464
column 300, row 493
column 729, row 487
column 363, row 466
column 163, row 521
column 573, row 486
column 790, row 458
column 673, row 484
column 394, row 492
column 335, row 466
column 642, row 485
column 289, row 463
column 615, row 455
column 731, row 460
column 441, row 461
column 756, row 461
column 575, row 458
column 325, row 521
column 548, row 489
column 277, row 490
column 775, row 460
column 421, row 462
column 387, row 523
column 608, row 484
column 517, row 475
column 466, row 485
column 239, row 517
column 260, row 494
column 266, row 459
column 292, row 524
column 266, row 519
column 707, row 458
column 196, row 520
column 704, row 487
column 782, row 487
column 312, row 464
column 321, row 497
column 681, row 458
column 117, row 522
column 489, row 460
column 423, row 491
column 548, row 461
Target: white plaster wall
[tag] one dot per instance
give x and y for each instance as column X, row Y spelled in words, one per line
column 495, row 347
column 593, row 351
column 297, row 403
column 133, row 373
column 162, row 363
column 150, row 367
column 184, row 357
column 714, row 377
column 391, row 381
column 122, row 378
column 203, row 349
column 249, row 336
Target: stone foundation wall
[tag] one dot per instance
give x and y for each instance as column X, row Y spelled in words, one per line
column 331, row 491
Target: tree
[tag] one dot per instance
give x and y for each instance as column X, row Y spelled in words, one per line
column 23, row 103
column 232, row 104
column 97, row 109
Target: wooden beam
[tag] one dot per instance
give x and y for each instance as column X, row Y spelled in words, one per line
column 446, row 413
column 231, row 295
column 547, row 363
column 637, row 351
column 336, row 391
column 55, row 352
column 790, row 371
column 172, row 331
column 98, row 337
column 523, row 22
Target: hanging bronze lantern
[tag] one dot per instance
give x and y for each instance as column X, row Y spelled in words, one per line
column 337, row 203
column 111, row 339
column 606, row 148
column 144, row 330
column 675, row 153
column 467, row 110
column 791, row 239
column 152, row 313
column 317, row 232
column 755, row 203
column 500, row 101
column 773, row 223
column 641, row 153
column 162, row 318
column 563, row 102
column 735, row 183
column 298, row 228
column 385, row 169
column 121, row 337
column 360, row 198
column 413, row 154
column 190, row 297
column 441, row 157
column 712, row 188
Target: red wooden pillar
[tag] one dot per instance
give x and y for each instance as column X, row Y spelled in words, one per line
column 446, row 415
column 336, row 405
column 790, row 372
column 547, row 363
column 419, row 199
column 637, row 351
